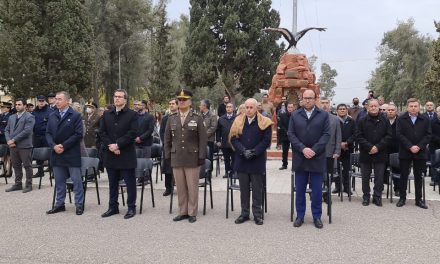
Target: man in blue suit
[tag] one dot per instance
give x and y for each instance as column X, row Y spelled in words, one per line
column 64, row 133
column 309, row 132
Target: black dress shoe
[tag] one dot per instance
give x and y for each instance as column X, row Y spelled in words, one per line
column 167, row 192
column 192, row 219
column 377, row 201
column 421, row 204
column 15, row 187
column 400, row 203
column 241, row 219
column 283, row 168
column 366, row 202
column 298, row 222
column 110, row 212
column 258, row 220
column 318, row 223
column 130, row 213
column 79, row 210
column 180, row 218
column 57, row 209
column 336, row 191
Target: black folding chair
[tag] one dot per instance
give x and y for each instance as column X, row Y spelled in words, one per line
column 143, row 175
column 205, row 174
column 233, row 185
column 42, row 157
column 156, row 156
column 216, row 159
column 89, row 174
column 336, row 173
column 394, row 166
column 4, row 152
column 326, row 190
column 92, row 152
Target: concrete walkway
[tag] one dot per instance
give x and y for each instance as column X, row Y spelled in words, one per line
column 357, row 235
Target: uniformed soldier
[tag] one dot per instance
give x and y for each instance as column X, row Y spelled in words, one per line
column 4, row 117
column 185, row 146
column 92, row 125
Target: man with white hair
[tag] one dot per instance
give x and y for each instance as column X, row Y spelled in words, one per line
column 251, row 135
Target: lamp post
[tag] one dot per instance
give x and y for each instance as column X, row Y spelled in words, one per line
column 119, row 58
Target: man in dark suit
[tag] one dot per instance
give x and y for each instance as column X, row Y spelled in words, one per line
column 348, row 129
column 185, row 147
column 166, row 168
column 309, row 132
column 118, row 130
column 414, row 133
column 373, row 134
column 435, row 139
column 393, row 144
column 222, row 107
column 18, row 134
column 144, row 136
column 64, row 133
column 251, row 135
column 283, row 139
column 222, row 137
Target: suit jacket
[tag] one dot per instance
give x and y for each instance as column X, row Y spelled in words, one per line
column 119, row 128
column 67, row 131
column 373, row 131
column 21, row 131
column 311, row 133
column 223, row 128
column 334, row 144
column 145, row 129
column 283, row 127
column 410, row 134
column 252, row 137
column 210, row 122
column 92, row 126
column 348, row 130
column 435, row 136
column 185, row 144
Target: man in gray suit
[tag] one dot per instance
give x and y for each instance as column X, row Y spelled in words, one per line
column 333, row 147
column 19, row 132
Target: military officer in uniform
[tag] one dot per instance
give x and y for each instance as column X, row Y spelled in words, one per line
column 92, row 125
column 185, row 147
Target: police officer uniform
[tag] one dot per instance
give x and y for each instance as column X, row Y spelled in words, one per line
column 4, row 117
column 185, row 146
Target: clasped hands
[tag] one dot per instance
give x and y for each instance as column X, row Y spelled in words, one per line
column 249, row 154
column 308, row 153
column 114, row 148
column 59, row 148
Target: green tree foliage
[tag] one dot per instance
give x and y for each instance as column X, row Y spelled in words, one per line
column 402, row 63
column 327, row 81
column 46, row 46
column 226, row 45
column 160, row 83
column 125, row 24
column 432, row 81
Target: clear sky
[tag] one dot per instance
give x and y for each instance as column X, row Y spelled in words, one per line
column 355, row 29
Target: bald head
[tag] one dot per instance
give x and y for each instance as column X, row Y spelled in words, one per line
column 251, row 107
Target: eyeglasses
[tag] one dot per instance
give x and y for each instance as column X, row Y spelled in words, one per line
column 308, row 98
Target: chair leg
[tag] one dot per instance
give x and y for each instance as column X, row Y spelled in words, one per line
column 409, row 185
column 50, row 177
column 97, row 189
column 85, row 191
column 53, row 198
column 171, row 197
column 349, row 184
column 152, row 192
column 123, row 196
column 70, row 195
column 390, row 181
column 227, row 197
column 210, row 193
column 423, row 189
column 232, row 200
column 204, row 198
column 157, row 172
column 39, row 185
column 142, row 197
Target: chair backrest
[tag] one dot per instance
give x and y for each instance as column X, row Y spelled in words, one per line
column 41, row 154
column 205, row 169
column 144, row 167
column 89, row 165
column 436, row 158
column 394, row 160
column 354, row 159
column 156, row 151
column 92, row 152
column 4, row 150
column 139, row 153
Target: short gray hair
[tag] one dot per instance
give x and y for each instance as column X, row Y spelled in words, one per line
column 121, row 91
column 66, row 94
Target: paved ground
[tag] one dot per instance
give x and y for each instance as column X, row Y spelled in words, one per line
column 357, row 235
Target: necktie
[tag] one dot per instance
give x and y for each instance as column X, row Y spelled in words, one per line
column 62, row 114
column 430, row 115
